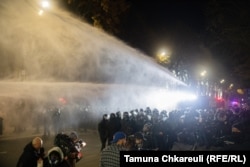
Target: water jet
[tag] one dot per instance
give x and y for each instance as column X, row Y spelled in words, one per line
column 54, row 55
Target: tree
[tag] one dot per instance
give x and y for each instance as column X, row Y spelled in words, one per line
column 228, row 29
column 104, row 14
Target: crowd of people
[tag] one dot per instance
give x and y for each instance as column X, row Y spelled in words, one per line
column 160, row 129
column 146, row 129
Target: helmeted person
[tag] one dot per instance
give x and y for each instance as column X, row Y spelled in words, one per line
column 103, row 131
column 118, row 116
column 46, row 123
column 127, row 125
column 55, row 158
column 113, row 127
column 56, row 118
column 33, row 154
column 110, row 156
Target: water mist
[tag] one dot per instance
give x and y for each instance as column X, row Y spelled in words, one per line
column 52, row 55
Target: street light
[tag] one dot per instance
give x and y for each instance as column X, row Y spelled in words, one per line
column 203, row 84
column 44, row 5
column 222, row 81
column 231, row 86
column 163, row 56
column 203, row 73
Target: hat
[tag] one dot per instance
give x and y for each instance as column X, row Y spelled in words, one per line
column 117, row 136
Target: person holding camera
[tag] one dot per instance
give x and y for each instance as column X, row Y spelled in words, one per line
column 33, row 154
column 75, row 154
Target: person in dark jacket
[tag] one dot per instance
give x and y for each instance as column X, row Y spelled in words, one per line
column 55, row 158
column 127, row 125
column 33, row 154
column 113, row 127
column 103, row 130
column 76, row 154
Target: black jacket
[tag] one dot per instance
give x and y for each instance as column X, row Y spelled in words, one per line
column 30, row 156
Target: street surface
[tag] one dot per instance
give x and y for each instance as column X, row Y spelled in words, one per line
column 11, row 147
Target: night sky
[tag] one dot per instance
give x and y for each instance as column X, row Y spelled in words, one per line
column 178, row 26
column 150, row 21
column 183, row 27
column 212, row 34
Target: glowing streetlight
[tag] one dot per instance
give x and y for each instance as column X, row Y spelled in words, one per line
column 163, row 53
column 163, row 57
column 45, row 4
column 203, row 73
column 222, row 81
column 231, row 86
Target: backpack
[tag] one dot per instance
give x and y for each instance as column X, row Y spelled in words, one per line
column 65, row 143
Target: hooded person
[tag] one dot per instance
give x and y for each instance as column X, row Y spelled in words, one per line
column 55, row 158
